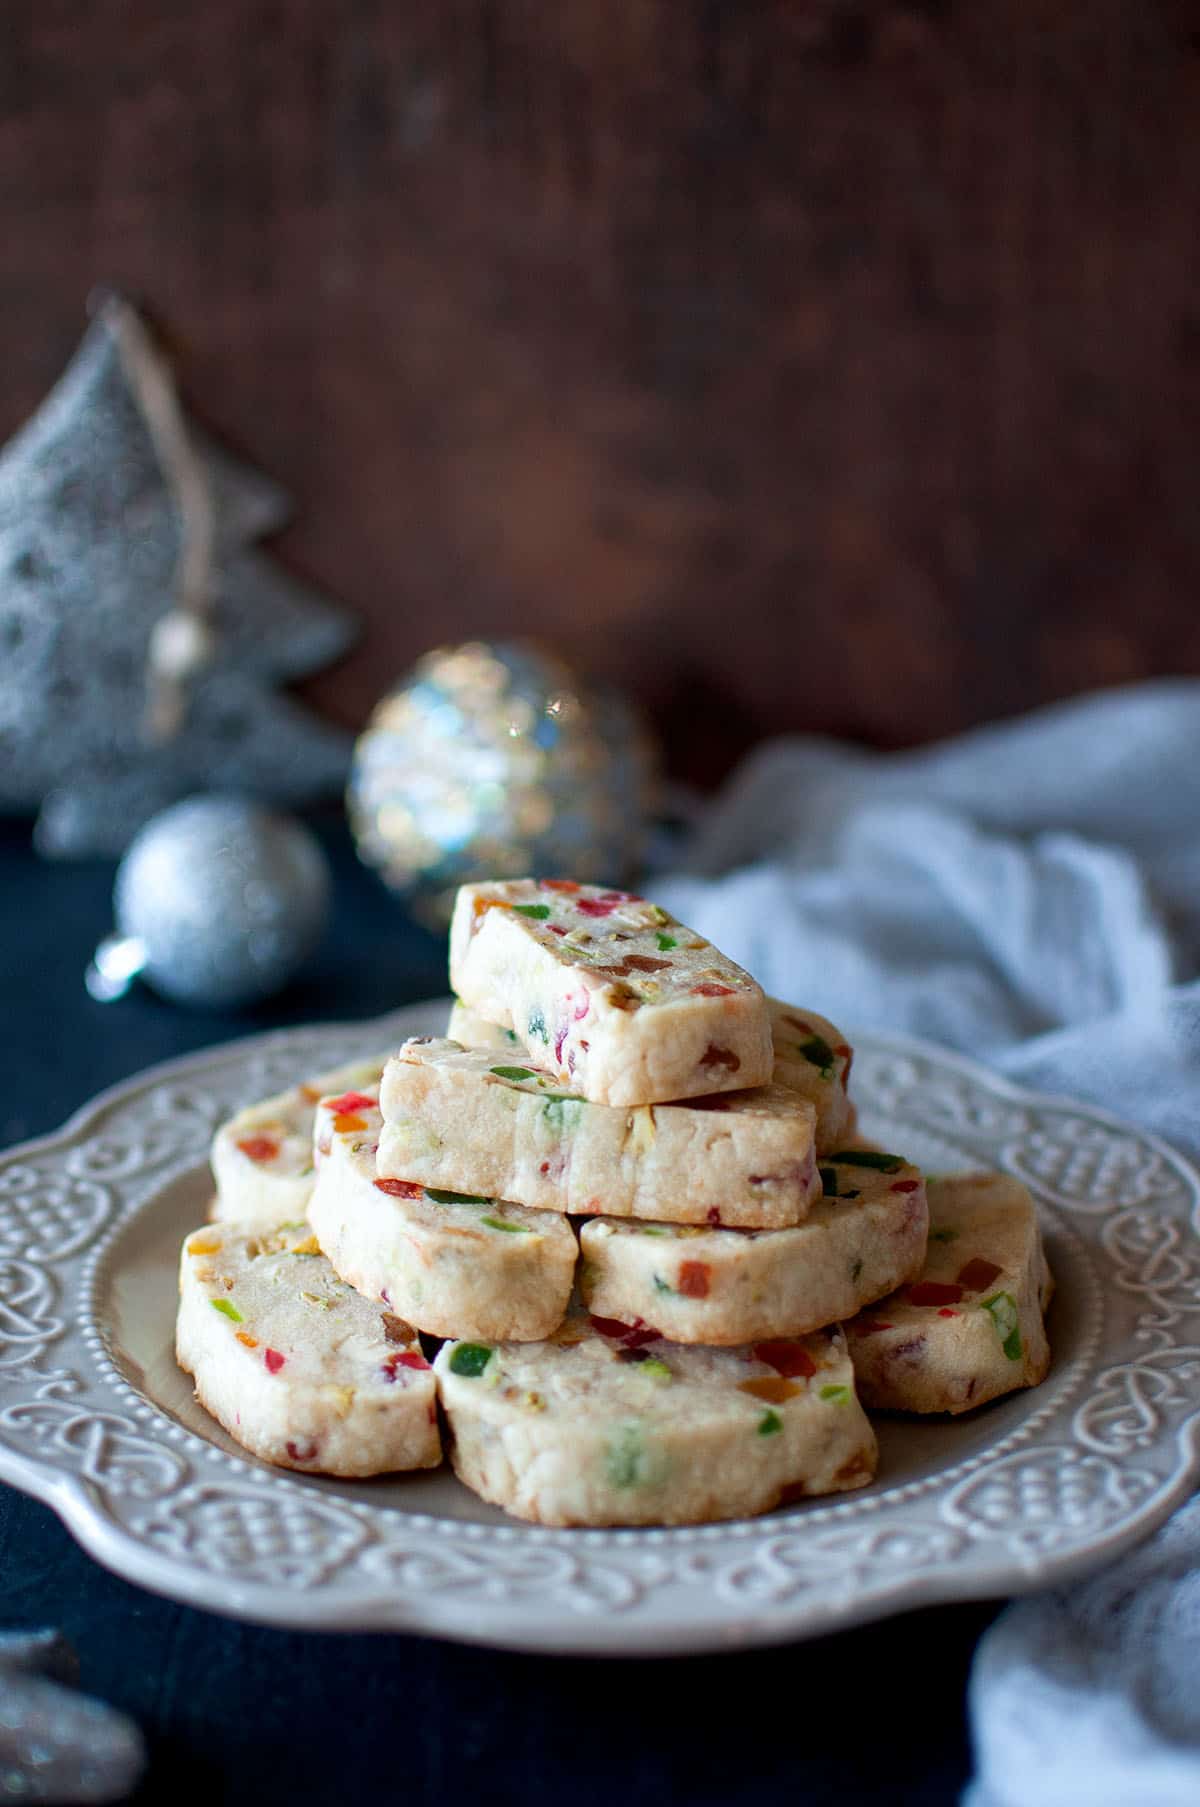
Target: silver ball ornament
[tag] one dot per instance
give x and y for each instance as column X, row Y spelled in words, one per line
column 496, row 759
column 218, row 902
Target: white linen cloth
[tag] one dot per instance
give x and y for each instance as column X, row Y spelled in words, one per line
column 1029, row 894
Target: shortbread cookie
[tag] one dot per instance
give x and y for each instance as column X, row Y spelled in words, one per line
column 624, row 1003
column 862, row 1239
column 467, row 1119
column 298, row 1368
column 262, row 1159
column 453, row 1264
column 607, row 1424
column 812, row 1057
column 970, row 1327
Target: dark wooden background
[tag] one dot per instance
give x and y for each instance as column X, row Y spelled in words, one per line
column 801, row 364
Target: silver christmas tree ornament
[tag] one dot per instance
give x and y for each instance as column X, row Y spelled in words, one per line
column 142, row 636
column 56, row 1745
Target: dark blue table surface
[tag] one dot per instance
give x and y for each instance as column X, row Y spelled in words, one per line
column 241, row 1712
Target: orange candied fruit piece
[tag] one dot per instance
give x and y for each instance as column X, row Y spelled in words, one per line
column 693, row 1279
column 204, row 1244
column 345, row 1123
column 771, row 1387
column 259, row 1148
column 244, row 1337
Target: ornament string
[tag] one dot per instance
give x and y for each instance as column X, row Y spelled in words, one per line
column 183, row 639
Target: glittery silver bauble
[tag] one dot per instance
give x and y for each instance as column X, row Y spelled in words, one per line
column 495, row 760
column 218, row 902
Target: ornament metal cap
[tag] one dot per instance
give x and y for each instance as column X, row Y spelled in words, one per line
column 114, row 966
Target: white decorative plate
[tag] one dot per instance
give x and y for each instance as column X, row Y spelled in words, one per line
column 96, row 1419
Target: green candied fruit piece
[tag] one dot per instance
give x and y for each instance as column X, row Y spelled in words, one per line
column 655, row 1370
column 817, row 1052
column 769, row 1423
column 454, row 1198
column 868, row 1157
column 514, row 1229
column 856, row 1268
column 943, row 1235
column 537, row 912
column 537, row 1026
column 470, row 1359
column 227, row 1309
column 836, row 1395
column 660, row 1286
column 829, row 1185
column 561, row 1111
column 651, row 1229
column 513, row 1072
column 1002, row 1308
column 666, row 943
column 627, row 1462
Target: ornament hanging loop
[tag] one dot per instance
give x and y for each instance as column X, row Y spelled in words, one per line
column 184, row 640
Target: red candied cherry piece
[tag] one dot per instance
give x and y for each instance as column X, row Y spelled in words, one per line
column 594, row 906
column 402, row 1358
column 904, row 1186
column 349, row 1102
column 399, row 1188
column 273, row 1360
column 632, row 1335
column 693, row 1279
column 870, row 1326
column 977, row 1274
column 557, row 884
column 709, row 989
column 259, row 1148
column 935, row 1292
column 788, row 1359
column 946, row 1312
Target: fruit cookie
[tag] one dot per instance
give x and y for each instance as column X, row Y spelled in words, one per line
column 608, row 1424
column 970, row 1327
column 624, row 1003
column 862, row 1239
column 456, row 1265
column 262, row 1159
column 298, row 1368
column 476, row 1121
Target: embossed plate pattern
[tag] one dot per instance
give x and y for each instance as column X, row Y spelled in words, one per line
column 96, row 1420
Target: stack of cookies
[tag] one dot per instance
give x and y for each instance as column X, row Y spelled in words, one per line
column 627, row 1191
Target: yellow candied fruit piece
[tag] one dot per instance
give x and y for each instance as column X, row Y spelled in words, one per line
column 310, row 1246
column 204, row 1244
column 251, row 1342
column 346, row 1122
column 642, row 1130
